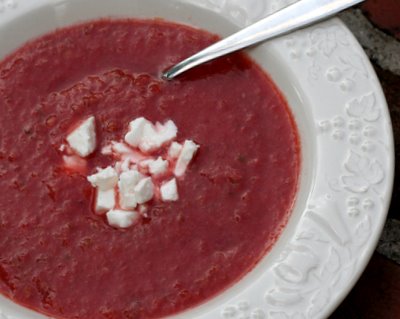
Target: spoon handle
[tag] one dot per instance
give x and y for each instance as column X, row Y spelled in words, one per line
column 295, row 16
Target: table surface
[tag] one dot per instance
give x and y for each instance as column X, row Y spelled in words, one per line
column 377, row 294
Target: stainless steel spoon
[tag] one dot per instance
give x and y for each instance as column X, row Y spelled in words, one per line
column 293, row 17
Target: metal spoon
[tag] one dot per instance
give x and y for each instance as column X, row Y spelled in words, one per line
column 293, row 17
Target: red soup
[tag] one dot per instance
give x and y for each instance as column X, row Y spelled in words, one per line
column 61, row 258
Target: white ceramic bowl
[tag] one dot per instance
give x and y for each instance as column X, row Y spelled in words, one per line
column 347, row 149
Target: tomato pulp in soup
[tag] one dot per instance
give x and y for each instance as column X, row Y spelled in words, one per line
column 60, row 257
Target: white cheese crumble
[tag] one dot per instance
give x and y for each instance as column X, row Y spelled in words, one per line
column 126, row 165
column 144, row 190
column 83, row 139
column 121, row 148
column 185, row 157
column 169, row 191
column 135, row 134
column 147, row 137
column 122, row 218
column 106, row 150
column 126, row 185
column 158, row 167
column 105, row 200
column 175, row 149
column 124, row 151
column 104, row 179
column 145, row 163
column 136, row 177
column 166, row 132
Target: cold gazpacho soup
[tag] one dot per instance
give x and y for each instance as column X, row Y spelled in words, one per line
column 123, row 195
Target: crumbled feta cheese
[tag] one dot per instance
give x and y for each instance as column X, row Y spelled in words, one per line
column 174, row 150
column 158, row 166
column 105, row 178
column 135, row 134
column 145, row 163
column 105, row 200
column 121, row 218
column 121, row 148
column 128, row 200
column 147, row 137
column 125, row 166
column 167, row 132
column 123, row 151
column 126, row 185
column 83, row 139
column 188, row 150
column 144, row 190
column 131, row 155
column 148, row 141
column 106, row 150
column 169, row 191
column 128, row 180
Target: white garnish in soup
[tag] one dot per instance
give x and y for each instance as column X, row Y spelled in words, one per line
column 105, row 200
column 148, row 137
column 158, row 167
column 104, row 179
column 136, row 177
column 169, row 191
column 122, row 218
column 126, row 186
column 175, row 149
column 144, row 190
column 185, row 157
column 83, row 139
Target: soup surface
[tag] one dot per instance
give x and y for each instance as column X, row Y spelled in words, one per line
column 61, row 258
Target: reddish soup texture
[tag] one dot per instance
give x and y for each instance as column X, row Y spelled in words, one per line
column 57, row 256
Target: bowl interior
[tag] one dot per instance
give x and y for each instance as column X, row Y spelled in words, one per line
column 44, row 16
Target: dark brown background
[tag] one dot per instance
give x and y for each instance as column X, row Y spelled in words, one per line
column 377, row 294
